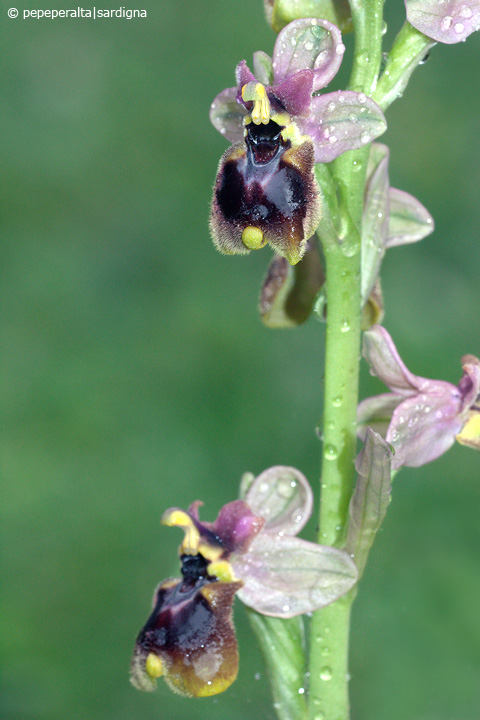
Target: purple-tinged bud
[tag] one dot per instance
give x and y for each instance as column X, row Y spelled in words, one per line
column 288, row 293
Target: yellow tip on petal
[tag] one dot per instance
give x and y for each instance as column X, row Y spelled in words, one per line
column 153, row 666
column 179, row 518
column 252, row 238
column 470, row 434
column 214, row 687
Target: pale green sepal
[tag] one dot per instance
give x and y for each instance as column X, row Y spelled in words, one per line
column 246, row 481
column 263, row 67
column 409, row 221
column 281, row 12
column 375, row 218
column 371, row 498
column 282, row 643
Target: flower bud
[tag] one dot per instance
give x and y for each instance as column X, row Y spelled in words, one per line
column 281, row 12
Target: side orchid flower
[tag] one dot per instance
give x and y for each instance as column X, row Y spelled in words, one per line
column 447, row 21
column 420, row 418
column 250, row 550
column 265, row 190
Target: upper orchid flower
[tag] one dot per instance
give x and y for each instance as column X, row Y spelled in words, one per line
column 447, row 21
column 250, row 550
column 265, row 189
column 420, row 418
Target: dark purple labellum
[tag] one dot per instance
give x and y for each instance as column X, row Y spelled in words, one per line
column 189, row 635
column 265, row 191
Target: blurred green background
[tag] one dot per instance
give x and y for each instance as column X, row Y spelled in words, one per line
column 137, row 374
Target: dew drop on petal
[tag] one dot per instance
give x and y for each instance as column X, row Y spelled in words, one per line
column 308, row 46
column 459, row 28
column 286, row 608
column 447, row 22
column 331, row 106
column 340, row 49
column 365, row 137
column 466, row 12
column 362, row 98
column 332, row 139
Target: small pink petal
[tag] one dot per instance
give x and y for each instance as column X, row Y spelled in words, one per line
column 308, row 43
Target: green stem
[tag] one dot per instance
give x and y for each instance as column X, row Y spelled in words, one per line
column 408, row 51
column 328, row 693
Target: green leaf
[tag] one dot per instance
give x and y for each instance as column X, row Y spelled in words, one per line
column 282, row 643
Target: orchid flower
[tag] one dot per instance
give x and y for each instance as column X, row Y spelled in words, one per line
column 250, row 550
column 447, row 21
column 420, row 418
column 279, row 124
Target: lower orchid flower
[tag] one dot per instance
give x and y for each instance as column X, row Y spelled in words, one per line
column 250, row 550
column 420, row 418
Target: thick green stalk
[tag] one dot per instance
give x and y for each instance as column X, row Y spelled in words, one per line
column 330, row 625
column 328, row 693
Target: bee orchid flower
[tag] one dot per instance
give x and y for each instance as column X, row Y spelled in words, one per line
column 250, row 550
column 279, row 124
column 420, row 418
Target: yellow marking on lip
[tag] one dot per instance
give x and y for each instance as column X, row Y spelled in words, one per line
column 256, row 93
column 470, row 433
column 252, row 238
column 222, row 570
column 153, row 666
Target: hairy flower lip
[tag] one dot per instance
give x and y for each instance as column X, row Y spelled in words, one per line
column 249, row 550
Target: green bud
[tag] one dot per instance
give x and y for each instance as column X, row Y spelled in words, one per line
column 281, row 12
